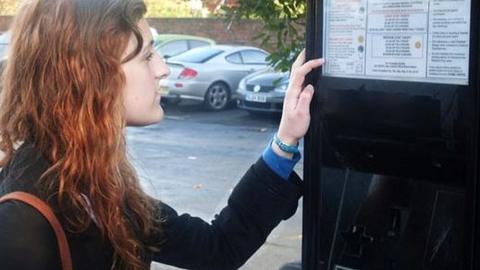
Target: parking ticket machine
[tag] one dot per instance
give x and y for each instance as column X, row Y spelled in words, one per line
column 392, row 153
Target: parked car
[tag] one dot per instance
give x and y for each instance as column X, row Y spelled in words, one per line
column 263, row 91
column 169, row 45
column 211, row 74
column 4, row 42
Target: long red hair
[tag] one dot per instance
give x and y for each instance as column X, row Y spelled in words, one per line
column 62, row 90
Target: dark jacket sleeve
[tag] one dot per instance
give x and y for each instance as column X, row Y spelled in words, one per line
column 26, row 239
column 256, row 206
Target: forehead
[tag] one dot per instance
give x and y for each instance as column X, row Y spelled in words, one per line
column 145, row 30
column 146, row 34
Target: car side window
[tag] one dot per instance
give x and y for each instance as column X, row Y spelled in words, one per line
column 197, row 43
column 251, row 57
column 173, row 48
column 234, row 58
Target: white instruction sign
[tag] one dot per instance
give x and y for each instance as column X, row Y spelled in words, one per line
column 408, row 40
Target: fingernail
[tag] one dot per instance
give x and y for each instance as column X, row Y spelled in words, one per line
column 321, row 60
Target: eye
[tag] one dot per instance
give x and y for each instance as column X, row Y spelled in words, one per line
column 149, row 56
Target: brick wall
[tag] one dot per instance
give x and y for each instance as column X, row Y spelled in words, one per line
column 5, row 23
column 241, row 33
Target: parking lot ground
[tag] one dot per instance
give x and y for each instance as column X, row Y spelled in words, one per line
column 193, row 159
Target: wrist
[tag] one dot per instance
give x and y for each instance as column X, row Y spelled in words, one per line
column 287, row 139
column 277, row 150
column 283, row 149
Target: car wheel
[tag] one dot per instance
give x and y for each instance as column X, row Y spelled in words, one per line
column 217, row 97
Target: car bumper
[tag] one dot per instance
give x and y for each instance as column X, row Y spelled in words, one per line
column 184, row 89
column 270, row 102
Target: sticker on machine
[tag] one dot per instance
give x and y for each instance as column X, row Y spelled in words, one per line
column 422, row 40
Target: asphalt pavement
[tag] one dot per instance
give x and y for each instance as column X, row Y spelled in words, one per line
column 193, row 159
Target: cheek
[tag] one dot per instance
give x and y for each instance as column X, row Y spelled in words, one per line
column 131, row 91
column 140, row 77
column 135, row 97
column 135, row 80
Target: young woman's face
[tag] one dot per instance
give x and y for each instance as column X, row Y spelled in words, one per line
column 141, row 99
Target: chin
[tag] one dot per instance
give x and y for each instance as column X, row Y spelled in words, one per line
column 153, row 119
column 158, row 117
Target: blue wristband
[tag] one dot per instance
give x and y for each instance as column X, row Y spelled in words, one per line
column 283, row 167
column 286, row 147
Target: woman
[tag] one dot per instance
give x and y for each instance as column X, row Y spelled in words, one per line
column 78, row 72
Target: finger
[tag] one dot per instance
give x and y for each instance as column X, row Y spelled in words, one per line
column 305, row 99
column 298, row 77
column 299, row 61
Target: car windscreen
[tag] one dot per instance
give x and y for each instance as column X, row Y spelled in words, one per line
column 197, row 55
column 3, row 50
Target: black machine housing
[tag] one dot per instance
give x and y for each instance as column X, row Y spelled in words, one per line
column 391, row 168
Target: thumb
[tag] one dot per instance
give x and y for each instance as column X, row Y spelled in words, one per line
column 305, row 99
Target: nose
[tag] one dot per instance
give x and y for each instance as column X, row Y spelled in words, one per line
column 165, row 70
column 162, row 70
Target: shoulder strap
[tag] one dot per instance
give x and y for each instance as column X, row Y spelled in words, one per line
column 47, row 212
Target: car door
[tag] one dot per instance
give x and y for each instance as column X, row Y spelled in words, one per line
column 234, row 70
column 254, row 60
column 240, row 67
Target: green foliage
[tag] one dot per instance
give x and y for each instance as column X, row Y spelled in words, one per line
column 156, row 8
column 8, row 7
column 168, row 8
column 283, row 30
column 171, row 8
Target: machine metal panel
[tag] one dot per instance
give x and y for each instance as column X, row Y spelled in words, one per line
column 391, row 159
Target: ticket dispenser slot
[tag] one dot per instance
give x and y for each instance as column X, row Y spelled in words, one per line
column 392, row 153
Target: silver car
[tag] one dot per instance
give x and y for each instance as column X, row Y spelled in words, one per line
column 169, row 45
column 263, row 91
column 4, row 43
column 211, row 74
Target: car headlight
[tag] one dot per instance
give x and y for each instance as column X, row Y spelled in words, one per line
column 242, row 85
column 281, row 88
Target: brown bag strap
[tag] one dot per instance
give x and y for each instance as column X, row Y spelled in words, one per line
column 47, row 212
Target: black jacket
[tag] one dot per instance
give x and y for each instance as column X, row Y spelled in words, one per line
column 257, row 204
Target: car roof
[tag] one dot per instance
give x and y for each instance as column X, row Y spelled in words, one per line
column 234, row 48
column 169, row 37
